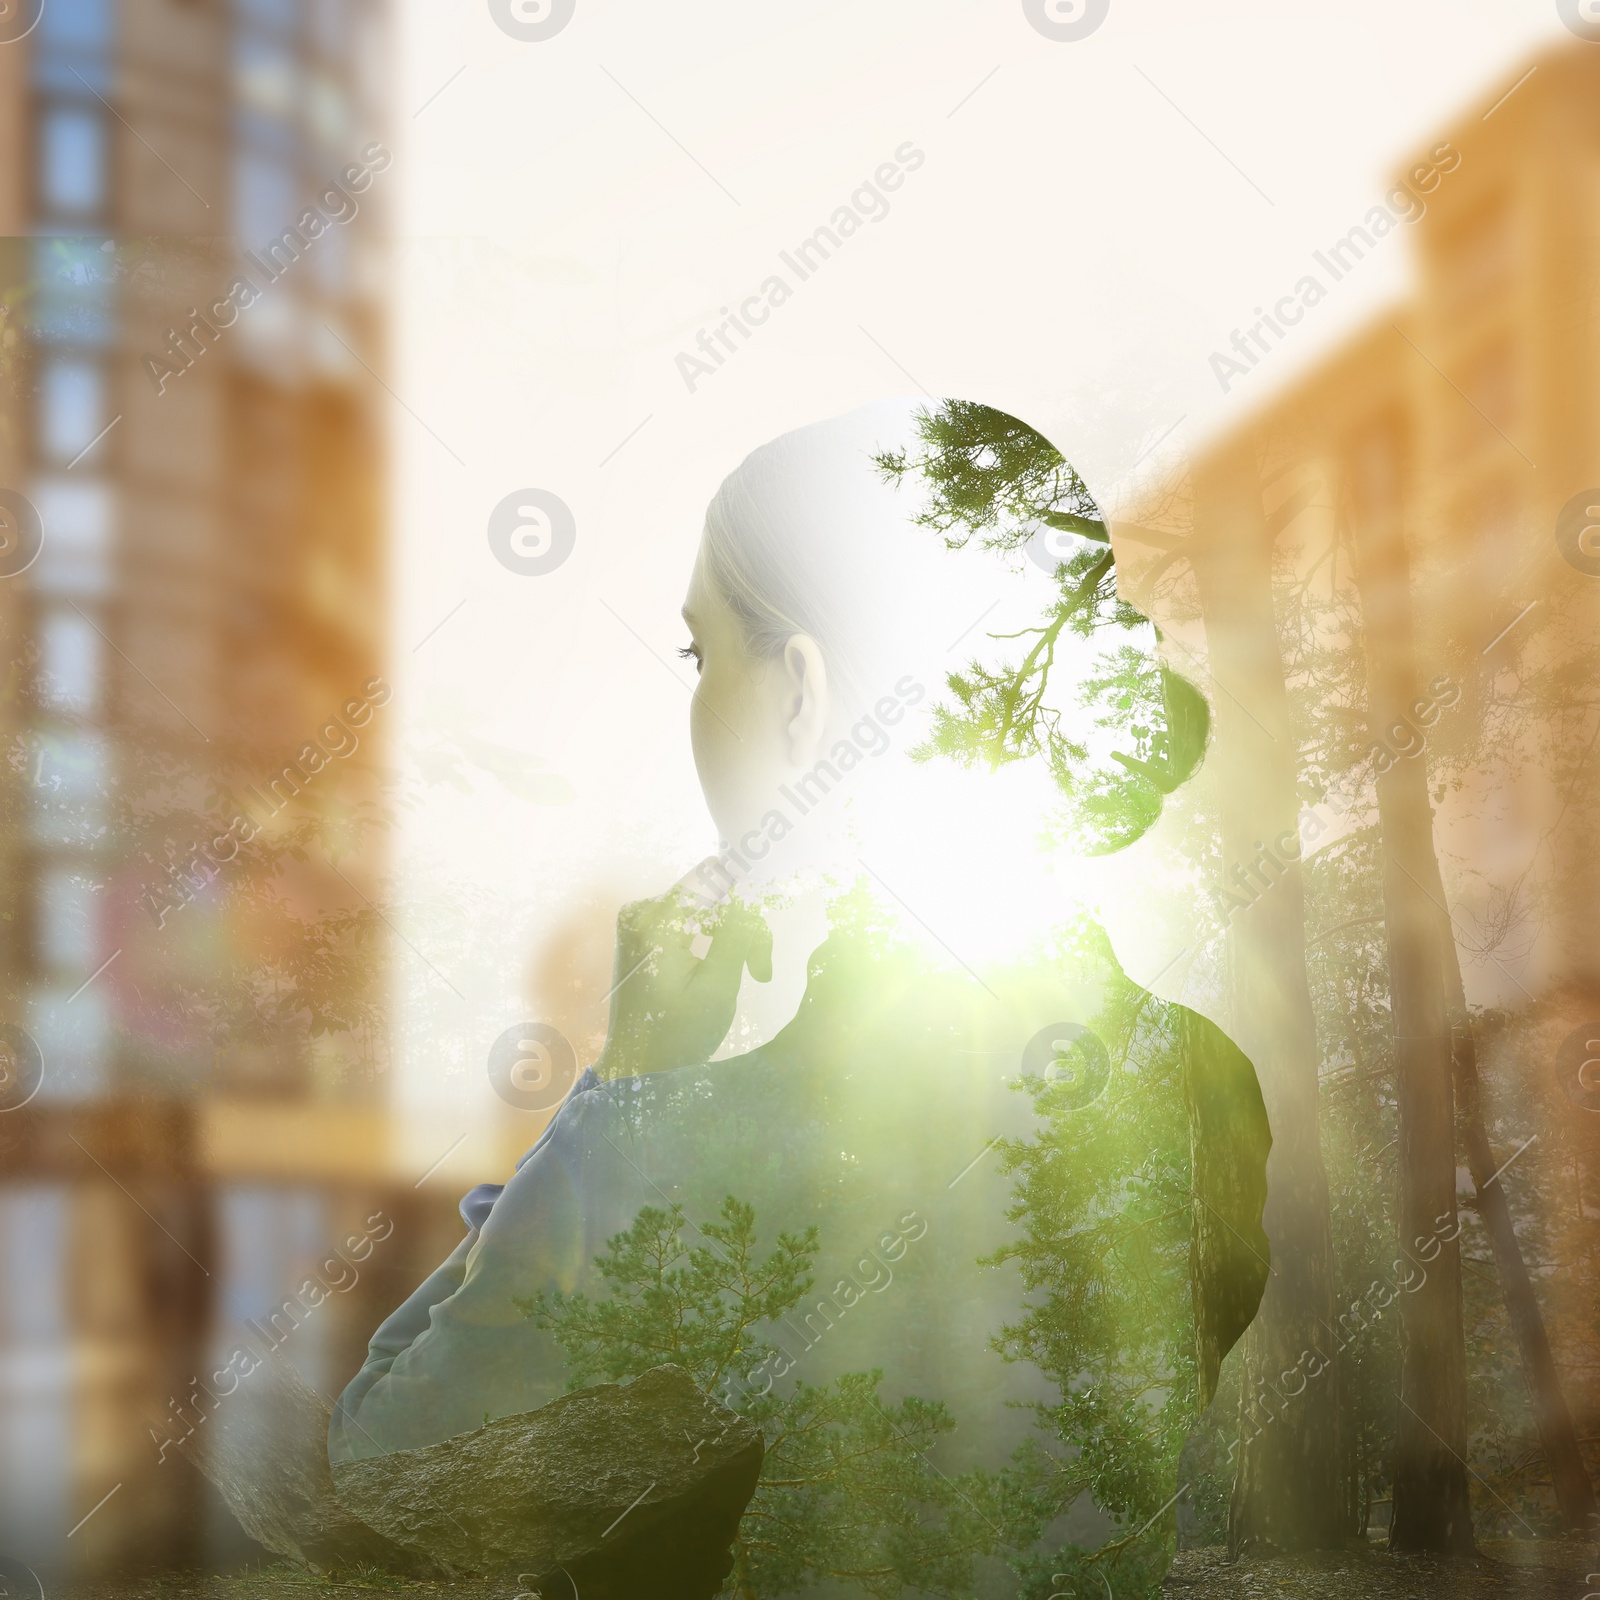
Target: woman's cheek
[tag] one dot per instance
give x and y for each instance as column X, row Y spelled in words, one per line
column 703, row 741
column 717, row 720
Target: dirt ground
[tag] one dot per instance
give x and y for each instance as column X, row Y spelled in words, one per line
column 1504, row 1571
column 1523, row 1571
column 283, row 1583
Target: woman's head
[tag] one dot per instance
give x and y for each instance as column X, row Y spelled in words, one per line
column 761, row 708
column 801, row 606
column 829, row 593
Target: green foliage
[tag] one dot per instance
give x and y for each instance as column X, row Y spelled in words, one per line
column 698, row 1308
column 991, row 479
column 846, row 1492
column 1105, row 1246
column 995, row 477
column 1104, row 1199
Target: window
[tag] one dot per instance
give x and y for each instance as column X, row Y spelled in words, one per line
column 71, row 406
column 277, row 15
column 272, row 1239
column 36, row 1439
column 72, row 46
column 267, row 76
column 264, row 75
column 264, row 200
column 69, row 662
column 274, row 337
column 77, row 520
column 329, row 114
column 68, row 932
column 76, row 24
column 72, row 161
column 68, row 781
column 73, row 1031
column 75, row 278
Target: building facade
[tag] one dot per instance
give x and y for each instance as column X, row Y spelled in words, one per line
column 1457, row 437
column 192, row 205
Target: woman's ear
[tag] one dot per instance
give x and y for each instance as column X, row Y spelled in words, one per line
column 808, row 683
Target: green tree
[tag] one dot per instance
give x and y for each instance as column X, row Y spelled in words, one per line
column 992, row 481
column 990, row 478
column 846, row 1490
column 1142, row 1261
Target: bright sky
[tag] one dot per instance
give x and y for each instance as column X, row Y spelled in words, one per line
column 1090, row 221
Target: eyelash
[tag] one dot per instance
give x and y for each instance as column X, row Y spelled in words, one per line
column 691, row 652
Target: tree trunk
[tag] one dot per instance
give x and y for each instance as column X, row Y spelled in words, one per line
column 1574, row 1492
column 1432, row 1507
column 1286, row 1490
column 1228, row 1138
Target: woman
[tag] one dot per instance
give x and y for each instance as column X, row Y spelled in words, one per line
column 876, row 1103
